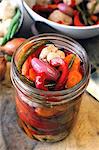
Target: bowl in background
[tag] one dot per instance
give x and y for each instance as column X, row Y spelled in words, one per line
column 72, row 31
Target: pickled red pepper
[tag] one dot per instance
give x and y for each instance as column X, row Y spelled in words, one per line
column 63, row 67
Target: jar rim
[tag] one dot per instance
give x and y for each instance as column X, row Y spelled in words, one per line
column 32, row 89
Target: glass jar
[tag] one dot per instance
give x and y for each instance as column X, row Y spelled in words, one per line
column 49, row 115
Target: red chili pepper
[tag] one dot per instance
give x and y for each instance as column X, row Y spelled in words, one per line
column 63, row 67
column 97, row 22
column 24, row 107
column 32, row 74
column 29, row 118
column 37, row 124
column 77, row 21
column 40, row 81
column 75, row 12
column 44, row 8
column 73, row 3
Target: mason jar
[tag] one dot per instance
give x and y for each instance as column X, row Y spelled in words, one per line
column 49, row 115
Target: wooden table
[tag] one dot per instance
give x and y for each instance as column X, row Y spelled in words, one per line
column 84, row 136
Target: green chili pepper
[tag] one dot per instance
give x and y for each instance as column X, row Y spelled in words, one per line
column 72, row 61
column 28, row 53
column 26, row 80
column 13, row 22
column 82, row 14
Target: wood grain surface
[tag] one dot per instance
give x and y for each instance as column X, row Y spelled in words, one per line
column 84, row 136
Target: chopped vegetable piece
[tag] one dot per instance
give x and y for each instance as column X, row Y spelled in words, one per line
column 58, row 15
column 44, row 8
column 74, row 78
column 32, row 74
column 40, row 81
column 48, row 112
column 76, row 62
column 63, row 67
column 45, row 112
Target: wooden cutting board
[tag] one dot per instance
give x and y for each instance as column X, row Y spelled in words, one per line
column 84, row 136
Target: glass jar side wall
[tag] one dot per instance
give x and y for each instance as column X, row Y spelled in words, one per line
column 43, row 123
